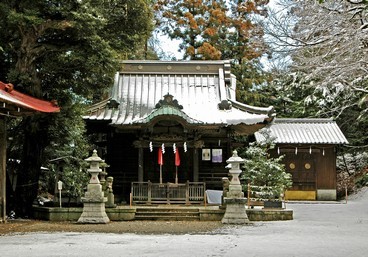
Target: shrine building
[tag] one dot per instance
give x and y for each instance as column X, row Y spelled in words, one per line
column 309, row 147
column 15, row 104
column 171, row 122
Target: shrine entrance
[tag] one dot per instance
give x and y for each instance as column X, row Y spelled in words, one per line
column 303, row 174
column 168, row 193
column 152, row 168
column 176, row 184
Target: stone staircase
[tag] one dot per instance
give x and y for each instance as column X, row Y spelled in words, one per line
column 165, row 213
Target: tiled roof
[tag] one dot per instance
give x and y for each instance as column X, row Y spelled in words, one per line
column 10, row 98
column 304, row 131
column 198, row 86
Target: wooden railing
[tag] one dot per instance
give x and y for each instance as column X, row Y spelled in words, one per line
column 148, row 192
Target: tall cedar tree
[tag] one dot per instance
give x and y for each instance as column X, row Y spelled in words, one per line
column 68, row 51
column 219, row 30
column 213, row 30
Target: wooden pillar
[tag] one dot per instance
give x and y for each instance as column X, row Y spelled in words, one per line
column 3, row 168
column 140, row 164
column 195, row 165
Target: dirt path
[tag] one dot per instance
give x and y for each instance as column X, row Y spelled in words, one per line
column 138, row 227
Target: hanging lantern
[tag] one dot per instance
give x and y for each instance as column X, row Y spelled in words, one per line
column 163, row 148
column 310, row 150
column 278, row 150
column 296, row 150
column 174, row 148
column 185, row 147
column 151, row 146
column 323, row 152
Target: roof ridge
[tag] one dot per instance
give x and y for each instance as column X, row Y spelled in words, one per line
column 303, row 120
column 253, row 109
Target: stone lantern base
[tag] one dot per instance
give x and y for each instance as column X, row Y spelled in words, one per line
column 235, row 211
column 94, row 206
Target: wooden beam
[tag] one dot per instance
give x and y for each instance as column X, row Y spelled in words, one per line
column 3, row 168
column 140, row 164
column 195, row 165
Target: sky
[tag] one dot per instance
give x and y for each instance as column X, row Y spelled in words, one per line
column 170, row 47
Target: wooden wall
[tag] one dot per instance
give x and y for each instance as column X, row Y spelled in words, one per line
column 123, row 160
column 213, row 172
column 312, row 167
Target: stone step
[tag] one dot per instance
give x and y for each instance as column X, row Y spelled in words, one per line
column 166, row 210
column 167, row 214
column 177, row 218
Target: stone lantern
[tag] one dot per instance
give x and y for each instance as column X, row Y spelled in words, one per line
column 94, row 199
column 103, row 174
column 235, row 202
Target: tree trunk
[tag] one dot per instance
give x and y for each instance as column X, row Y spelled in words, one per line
column 35, row 127
column 35, row 140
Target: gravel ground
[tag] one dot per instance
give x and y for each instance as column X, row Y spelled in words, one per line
column 21, row 226
column 137, row 227
column 320, row 229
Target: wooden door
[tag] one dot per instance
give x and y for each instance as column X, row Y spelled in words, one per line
column 302, row 168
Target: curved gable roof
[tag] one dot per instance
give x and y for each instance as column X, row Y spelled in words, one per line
column 167, row 108
column 205, row 89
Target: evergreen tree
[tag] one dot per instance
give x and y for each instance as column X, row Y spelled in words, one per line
column 267, row 176
column 219, row 30
column 68, row 51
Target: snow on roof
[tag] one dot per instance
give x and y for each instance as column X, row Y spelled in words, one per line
column 304, row 131
column 202, row 88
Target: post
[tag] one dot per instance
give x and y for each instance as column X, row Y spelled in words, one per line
column 130, row 200
column 140, row 164
column 248, row 196
column 149, row 192
column 187, row 193
column 195, row 165
column 346, row 193
column 60, row 187
column 3, row 168
column 205, row 199
column 176, row 174
column 160, row 174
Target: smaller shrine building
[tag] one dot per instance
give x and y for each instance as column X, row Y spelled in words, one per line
column 310, row 147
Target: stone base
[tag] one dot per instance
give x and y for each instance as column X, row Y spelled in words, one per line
column 235, row 211
column 110, row 201
column 94, row 213
column 326, row 194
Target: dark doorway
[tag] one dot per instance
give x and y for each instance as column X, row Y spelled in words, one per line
column 152, row 168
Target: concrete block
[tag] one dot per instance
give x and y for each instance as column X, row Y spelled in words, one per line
column 326, row 195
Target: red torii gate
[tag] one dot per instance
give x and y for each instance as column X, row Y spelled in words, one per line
column 15, row 104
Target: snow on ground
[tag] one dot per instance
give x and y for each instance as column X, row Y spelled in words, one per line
column 318, row 229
